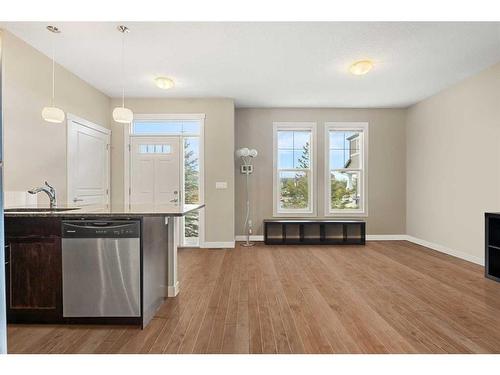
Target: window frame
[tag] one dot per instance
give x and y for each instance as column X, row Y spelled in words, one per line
column 361, row 127
column 295, row 126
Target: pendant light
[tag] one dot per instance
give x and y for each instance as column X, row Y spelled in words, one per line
column 53, row 113
column 122, row 114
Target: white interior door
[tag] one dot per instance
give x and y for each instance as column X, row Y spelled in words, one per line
column 155, row 170
column 88, row 163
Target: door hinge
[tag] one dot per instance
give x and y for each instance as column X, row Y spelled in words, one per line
column 129, row 191
column 107, row 191
column 107, row 146
column 129, row 147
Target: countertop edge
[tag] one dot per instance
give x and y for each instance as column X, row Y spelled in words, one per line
column 83, row 214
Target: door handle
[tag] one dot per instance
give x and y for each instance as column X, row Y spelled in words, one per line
column 176, row 199
column 77, row 200
column 7, row 250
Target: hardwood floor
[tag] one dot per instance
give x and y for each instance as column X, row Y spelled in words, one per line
column 385, row 297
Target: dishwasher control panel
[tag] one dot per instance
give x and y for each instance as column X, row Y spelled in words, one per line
column 101, row 229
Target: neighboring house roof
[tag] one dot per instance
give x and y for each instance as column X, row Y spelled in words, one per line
column 355, row 135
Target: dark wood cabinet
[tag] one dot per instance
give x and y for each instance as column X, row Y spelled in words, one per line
column 33, row 272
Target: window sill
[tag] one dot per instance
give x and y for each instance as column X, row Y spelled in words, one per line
column 294, row 214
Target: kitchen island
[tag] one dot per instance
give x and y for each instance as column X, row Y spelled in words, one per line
column 91, row 264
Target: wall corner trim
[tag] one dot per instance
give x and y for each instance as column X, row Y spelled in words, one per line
column 386, row 237
column 173, row 291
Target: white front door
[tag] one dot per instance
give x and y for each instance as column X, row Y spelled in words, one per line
column 88, row 163
column 155, row 170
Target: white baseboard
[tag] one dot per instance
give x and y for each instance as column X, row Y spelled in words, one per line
column 446, row 250
column 218, row 245
column 386, row 237
column 258, row 237
column 173, row 290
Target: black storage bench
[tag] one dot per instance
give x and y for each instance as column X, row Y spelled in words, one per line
column 492, row 242
column 314, row 232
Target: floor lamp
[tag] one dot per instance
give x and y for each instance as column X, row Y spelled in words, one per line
column 246, row 155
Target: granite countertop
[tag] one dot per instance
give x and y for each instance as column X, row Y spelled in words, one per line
column 116, row 210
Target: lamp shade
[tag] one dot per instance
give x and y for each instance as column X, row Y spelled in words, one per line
column 123, row 115
column 243, row 152
column 53, row 114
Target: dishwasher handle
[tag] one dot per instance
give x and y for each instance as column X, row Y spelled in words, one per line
column 101, row 229
column 97, row 224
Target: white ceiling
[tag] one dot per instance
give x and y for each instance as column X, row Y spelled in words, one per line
column 274, row 64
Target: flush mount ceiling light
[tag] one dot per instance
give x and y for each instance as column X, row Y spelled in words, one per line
column 53, row 113
column 361, row 67
column 122, row 114
column 164, row 83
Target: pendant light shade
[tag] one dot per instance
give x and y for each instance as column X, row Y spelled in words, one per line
column 52, row 113
column 121, row 114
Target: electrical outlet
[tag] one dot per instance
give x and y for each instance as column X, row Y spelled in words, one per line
column 246, row 169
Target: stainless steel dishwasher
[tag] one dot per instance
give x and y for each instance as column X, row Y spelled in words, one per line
column 101, row 268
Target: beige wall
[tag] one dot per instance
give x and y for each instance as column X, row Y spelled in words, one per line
column 35, row 150
column 219, row 159
column 386, row 169
column 453, row 164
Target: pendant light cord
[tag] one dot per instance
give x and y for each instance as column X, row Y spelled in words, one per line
column 53, row 69
column 123, row 69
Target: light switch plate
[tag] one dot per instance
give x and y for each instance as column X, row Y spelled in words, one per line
column 221, row 185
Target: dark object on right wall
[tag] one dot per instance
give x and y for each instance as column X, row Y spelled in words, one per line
column 492, row 246
column 314, row 232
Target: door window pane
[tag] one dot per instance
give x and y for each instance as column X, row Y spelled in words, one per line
column 191, row 127
column 157, row 127
column 191, row 188
column 155, row 149
column 191, row 171
column 165, row 127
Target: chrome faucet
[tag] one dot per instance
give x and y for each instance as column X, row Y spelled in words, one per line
column 47, row 189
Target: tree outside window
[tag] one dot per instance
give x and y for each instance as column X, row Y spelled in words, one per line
column 294, row 170
column 191, row 185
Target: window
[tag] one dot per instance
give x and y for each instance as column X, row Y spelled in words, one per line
column 294, row 168
column 192, row 189
column 154, row 149
column 165, row 127
column 346, row 163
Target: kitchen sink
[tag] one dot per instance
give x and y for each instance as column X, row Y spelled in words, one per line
column 38, row 209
